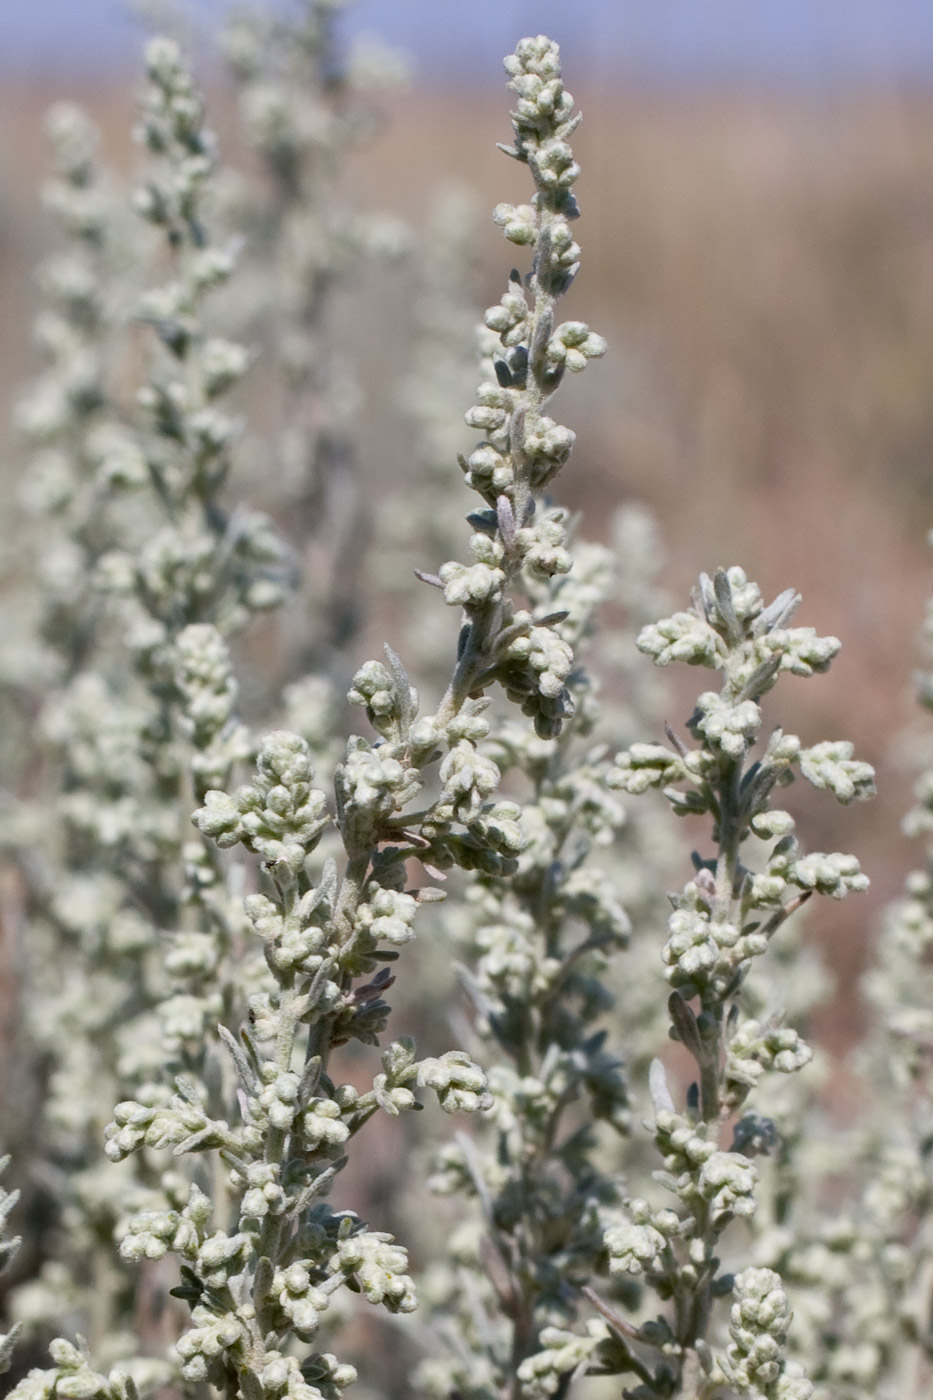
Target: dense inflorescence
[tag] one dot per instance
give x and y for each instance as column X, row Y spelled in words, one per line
column 641, row 1189
column 725, row 918
column 144, row 713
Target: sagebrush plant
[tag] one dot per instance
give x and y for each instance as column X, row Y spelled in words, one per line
column 143, row 719
column 64, row 420
column 212, row 1004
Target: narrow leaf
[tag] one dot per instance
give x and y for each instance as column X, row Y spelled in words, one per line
column 685, row 1024
column 723, row 590
column 243, row 1067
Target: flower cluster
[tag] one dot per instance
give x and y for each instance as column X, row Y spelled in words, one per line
column 226, row 991
column 522, row 447
column 758, row 1326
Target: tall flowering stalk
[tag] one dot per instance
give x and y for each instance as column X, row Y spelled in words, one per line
column 145, row 716
column 64, row 419
column 725, row 917
column 533, row 987
column 70, row 487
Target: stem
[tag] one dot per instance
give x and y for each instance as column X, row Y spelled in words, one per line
column 709, row 1086
column 694, row 1304
column 726, row 910
column 623, row 1330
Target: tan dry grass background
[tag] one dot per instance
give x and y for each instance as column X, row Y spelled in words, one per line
column 763, row 268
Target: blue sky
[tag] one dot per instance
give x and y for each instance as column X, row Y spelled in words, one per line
column 795, row 40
